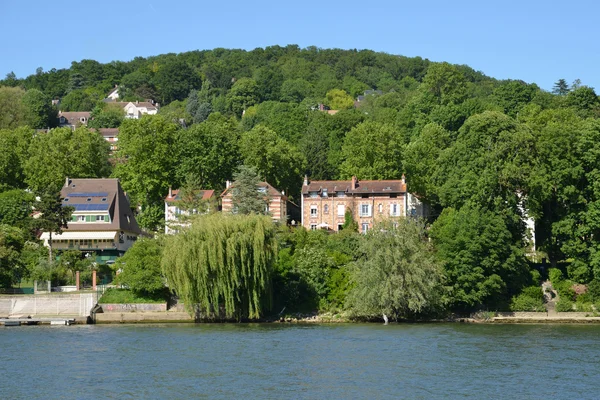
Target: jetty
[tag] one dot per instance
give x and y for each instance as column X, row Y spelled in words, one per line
column 36, row 321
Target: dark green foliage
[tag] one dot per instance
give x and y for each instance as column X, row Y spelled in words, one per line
column 564, row 305
column 12, row 241
column 531, row 299
column 79, row 100
column 141, row 270
column 561, row 87
column 40, row 114
column 246, row 197
column 124, row 296
column 175, row 79
column 106, row 116
column 16, row 207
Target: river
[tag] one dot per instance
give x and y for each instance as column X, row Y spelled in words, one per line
column 272, row 361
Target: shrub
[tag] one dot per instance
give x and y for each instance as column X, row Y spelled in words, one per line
column 523, row 302
column 555, row 275
column 584, row 307
column 535, row 292
column 564, row 305
column 565, row 290
column 536, row 277
column 594, row 290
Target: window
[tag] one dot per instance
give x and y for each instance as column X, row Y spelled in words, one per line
column 340, row 194
column 80, row 218
column 380, row 208
column 313, row 227
column 99, row 218
column 89, row 199
column 365, row 210
column 340, row 227
column 313, row 211
column 324, row 193
column 365, row 228
column 66, row 199
column 341, row 210
column 326, row 209
column 394, row 210
column 314, row 194
column 103, row 199
column 262, row 189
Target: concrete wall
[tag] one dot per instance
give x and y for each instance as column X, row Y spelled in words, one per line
column 142, row 307
column 47, row 304
column 560, row 315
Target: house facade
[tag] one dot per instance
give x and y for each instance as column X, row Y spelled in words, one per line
column 174, row 214
column 111, row 135
column 102, row 224
column 325, row 203
column 135, row 110
column 277, row 202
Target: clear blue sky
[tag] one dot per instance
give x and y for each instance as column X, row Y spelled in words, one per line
column 536, row 41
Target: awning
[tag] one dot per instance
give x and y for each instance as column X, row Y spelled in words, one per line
column 78, row 235
column 323, row 225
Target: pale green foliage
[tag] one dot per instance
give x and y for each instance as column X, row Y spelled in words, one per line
column 372, row 151
column 338, row 99
column 64, row 153
column 243, row 94
column 398, row 274
column 12, row 110
column 222, row 265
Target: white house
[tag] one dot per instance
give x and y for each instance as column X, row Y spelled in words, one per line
column 139, row 108
column 173, row 213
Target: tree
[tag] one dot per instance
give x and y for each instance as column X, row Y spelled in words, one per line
column 198, row 109
column 53, row 216
column 278, row 162
column 106, row 116
column 141, row 270
column 12, row 109
column 12, row 159
column 78, row 100
column 65, row 153
column 149, row 146
column 221, row 267
column 397, row 275
column 338, row 99
column 372, row 151
column 482, row 262
column 246, row 197
column 40, row 113
column 175, row 79
column 208, row 151
column 16, row 207
column 561, row 87
column 243, row 94
column 12, row 241
column 295, row 90
column 444, row 84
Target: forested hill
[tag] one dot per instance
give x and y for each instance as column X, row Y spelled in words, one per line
column 280, row 73
column 484, row 153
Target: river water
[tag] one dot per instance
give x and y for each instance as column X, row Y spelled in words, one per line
column 272, row 361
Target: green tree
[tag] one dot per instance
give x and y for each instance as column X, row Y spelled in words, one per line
column 175, row 79
column 338, row 99
column 12, row 109
column 106, row 116
column 63, row 152
column 209, row 151
column 78, row 100
column 243, row 94
column 246, row 197
column 53, row 216
column 12, row 241
column 15, row 208
column 40, row 113
column 444, row 84
column 561, row 87
column 148, row 145
column 278, row 162
column 295, row 90
column 221, row 267
column 372, row 151
column 482, row 262
column 141, row 269
column 12, row 159
column 397, row 275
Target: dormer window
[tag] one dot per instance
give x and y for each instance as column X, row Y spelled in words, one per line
column 324, row 193
column 104, row 199
column 89, row 199
column 66, row 199
column 314, row 194
column 262, row 189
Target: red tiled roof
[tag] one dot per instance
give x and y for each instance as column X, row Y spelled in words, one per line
column 204, row 195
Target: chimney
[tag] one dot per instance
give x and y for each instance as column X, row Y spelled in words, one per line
column 403, row 179
column 170, row 192
column 137, row 102
column 227, row 184
column 354, row 182
column 305, row 180
column 67, row 181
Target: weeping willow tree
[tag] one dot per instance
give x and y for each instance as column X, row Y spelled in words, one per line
column 221, row 266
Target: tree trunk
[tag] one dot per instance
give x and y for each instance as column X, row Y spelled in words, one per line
column 50, row 247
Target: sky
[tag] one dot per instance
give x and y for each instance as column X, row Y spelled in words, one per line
column 531, row 40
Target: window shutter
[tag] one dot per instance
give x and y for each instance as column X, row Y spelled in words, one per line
column 106, row 218
column 87, row 218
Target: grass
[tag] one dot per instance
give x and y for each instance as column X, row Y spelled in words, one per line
column 125, row 296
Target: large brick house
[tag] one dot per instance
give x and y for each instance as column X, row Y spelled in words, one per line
column 102, row 223
column 325, row 203
column 173, row 212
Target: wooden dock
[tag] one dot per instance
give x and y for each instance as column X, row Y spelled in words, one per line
column 36, row 321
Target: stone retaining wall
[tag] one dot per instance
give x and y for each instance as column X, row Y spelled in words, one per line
column 44, row 304
column 140, row 307
column 540, row 315
column 142, row 317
